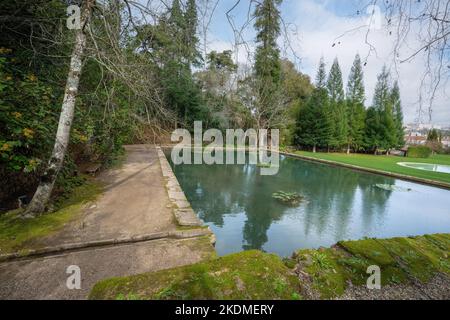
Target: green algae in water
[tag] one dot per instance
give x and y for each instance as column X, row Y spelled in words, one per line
column 288, row 198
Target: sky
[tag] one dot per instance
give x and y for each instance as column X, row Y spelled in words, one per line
column 311, row 27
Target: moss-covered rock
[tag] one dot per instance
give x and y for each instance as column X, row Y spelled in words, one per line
column 324, row 273
column 246, row 275
column 401, row 260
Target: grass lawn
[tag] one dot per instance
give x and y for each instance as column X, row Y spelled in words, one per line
column 17, row 234
column 387, row 163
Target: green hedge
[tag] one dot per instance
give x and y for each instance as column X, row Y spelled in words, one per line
column 419, row 152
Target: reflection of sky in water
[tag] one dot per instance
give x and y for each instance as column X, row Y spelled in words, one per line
column 236, row 202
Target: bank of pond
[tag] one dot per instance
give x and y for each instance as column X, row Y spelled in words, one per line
column 324, row 273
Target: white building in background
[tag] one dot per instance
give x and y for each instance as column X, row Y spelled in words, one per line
column 413, row 140
column 417, row 133
column 446, row 142
column 429, row 126
column 422, row 127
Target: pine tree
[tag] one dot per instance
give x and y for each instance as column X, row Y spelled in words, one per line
column 180, row 52
column 267, row 57
column 372, row 131
column 191, row 19
column 314, row 125
column 433, row 135
column 337, row 105
column 398, row 115
column 321, row 78
column 176, row 17
column 382, row 104
column 355, row 106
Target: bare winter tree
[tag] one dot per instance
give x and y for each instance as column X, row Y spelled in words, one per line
column 44, row 190
column 105, row 26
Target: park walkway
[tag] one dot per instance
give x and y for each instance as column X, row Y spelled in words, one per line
column 135, row 203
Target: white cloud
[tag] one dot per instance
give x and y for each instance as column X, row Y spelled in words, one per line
column 320, row 28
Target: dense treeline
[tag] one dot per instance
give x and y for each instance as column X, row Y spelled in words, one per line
column 35, row 46
column 334, row 120
column 141, row 78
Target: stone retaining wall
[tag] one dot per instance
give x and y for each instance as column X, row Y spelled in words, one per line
column 182, row 210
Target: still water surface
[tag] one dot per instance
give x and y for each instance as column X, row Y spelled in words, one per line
column 236, row 202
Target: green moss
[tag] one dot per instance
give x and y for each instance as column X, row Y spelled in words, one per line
column 18, row 234
column 204, row 245
column 440, row 240
column 246, row 275
column 410, row 258
column 257, row 275
column 400, row 260
column 368, row 252
column 188, row 228
column 435, row 252
column 370, row 249
column 326, row 274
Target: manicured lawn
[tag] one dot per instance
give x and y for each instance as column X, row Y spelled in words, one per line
column 17, row 234
column 387, row 163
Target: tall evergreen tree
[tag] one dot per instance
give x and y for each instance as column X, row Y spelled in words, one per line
column 176, row 14
column 180, row 52
column 386, row 134
column 321, row 77
column 372, row 130
column 355, row 106
column 191, row 18
column 398, row 115
column 314, row 124
column 337, row 106
column 267, row 58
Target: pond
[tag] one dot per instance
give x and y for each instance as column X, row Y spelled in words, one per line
column 426, row 166
column 340, row 204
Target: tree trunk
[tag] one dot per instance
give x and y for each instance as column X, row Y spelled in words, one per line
column 314, row 149
column 348, row 149
column 44, row 190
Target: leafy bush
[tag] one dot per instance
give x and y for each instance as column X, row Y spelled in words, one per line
column 419, row 152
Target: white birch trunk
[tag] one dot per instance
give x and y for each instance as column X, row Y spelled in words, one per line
column 42, row 195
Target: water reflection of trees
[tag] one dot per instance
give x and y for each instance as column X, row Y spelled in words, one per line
column 216, row 191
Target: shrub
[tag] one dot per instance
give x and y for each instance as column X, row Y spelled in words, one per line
column 419, row 152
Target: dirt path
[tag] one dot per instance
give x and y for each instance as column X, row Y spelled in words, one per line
column 45, row 278
column 135, row 202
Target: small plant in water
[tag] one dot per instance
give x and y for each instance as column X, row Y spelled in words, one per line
column 289, row 198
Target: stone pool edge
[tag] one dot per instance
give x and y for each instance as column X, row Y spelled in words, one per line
column 182, row 210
